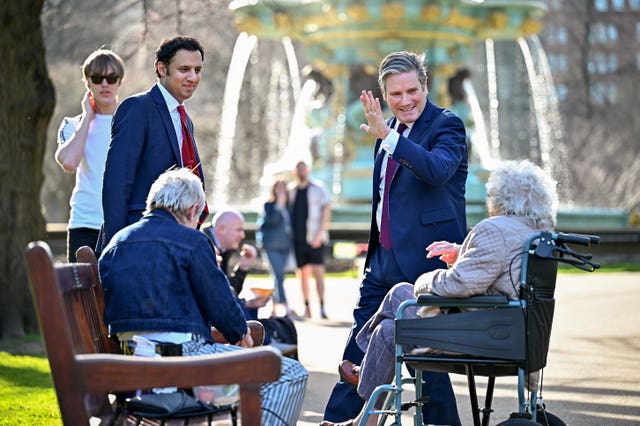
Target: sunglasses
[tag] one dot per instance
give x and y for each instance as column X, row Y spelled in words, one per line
column 111, row 78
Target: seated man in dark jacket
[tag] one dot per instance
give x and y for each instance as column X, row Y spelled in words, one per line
column 162, row 285
column 226, row 232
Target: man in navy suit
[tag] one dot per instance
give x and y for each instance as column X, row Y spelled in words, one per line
column 147, row 135
column 425, row 191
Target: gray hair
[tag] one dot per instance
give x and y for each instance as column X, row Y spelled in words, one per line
column 401, row 62
column 521, row 188
column 176, row 190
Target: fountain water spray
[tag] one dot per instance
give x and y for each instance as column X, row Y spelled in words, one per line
column 241, row 52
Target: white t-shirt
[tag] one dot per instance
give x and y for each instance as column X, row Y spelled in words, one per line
column 86, row 199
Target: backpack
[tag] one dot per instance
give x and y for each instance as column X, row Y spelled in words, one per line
column 280, row 329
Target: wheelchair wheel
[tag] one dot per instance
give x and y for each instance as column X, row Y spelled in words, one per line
column 518, row 422
column 546, row 418
column 518, row 419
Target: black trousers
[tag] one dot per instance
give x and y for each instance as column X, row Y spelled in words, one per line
column 78, row 237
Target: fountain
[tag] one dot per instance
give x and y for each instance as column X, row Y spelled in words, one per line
column 485, row 61
column 241, row 51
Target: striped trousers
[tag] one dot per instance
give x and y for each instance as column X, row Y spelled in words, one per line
column 282, row 399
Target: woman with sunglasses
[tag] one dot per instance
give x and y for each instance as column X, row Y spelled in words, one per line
column 83, row 142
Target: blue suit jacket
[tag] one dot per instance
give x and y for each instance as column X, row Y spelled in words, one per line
column 427, row 193
column 143, row 146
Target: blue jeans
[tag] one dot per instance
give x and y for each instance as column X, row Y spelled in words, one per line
column 277, row 262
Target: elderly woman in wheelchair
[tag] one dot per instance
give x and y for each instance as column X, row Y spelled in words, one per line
column 521, row 200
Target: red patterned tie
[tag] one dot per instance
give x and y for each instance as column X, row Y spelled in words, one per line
column 385, row 226
column 189, row 155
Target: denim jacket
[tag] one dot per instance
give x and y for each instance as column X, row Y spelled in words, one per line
column 159, row 275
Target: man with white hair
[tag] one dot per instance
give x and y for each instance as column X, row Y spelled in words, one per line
column 163, row 287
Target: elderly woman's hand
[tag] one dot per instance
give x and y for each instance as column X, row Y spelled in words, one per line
column 447, row 251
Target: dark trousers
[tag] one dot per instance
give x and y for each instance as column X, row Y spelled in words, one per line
column 78, row 237
column 344, row 402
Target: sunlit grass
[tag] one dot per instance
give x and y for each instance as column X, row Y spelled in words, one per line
column 26, row 391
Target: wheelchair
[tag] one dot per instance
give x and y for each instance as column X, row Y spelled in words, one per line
column 502, row 338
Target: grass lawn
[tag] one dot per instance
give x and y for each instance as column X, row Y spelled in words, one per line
column 26, row 391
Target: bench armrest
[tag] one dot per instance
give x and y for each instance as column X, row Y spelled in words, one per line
column 117, row 373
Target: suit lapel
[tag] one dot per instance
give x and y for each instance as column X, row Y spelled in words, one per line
column 163, row 112
column 420, row 126
column 423, row 122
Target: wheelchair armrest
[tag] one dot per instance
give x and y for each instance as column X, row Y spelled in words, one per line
column 472, row 302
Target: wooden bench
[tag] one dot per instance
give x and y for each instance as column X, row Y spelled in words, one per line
column 86, row 364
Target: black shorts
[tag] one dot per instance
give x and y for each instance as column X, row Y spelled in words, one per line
column 305, row 254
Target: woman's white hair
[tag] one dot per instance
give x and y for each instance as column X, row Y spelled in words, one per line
column 176, row 191
column 521, row 188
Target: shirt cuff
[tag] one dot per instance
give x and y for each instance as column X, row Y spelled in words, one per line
column 390, row 142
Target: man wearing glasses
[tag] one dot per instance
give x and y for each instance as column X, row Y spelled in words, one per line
column 83, row 141
column 151, row 133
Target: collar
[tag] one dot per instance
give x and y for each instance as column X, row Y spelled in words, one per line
column 172, row 103
column 210, row 232
column 163, row 214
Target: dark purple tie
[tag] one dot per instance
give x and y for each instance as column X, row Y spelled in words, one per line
column 385, row 226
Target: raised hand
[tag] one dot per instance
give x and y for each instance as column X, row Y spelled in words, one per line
column 376, row 126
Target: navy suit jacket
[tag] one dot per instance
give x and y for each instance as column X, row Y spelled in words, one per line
column 427, row 193
column 143, row 146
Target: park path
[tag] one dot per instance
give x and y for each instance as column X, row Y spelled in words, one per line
column 593, row 371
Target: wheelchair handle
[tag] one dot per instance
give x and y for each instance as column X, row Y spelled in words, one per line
column 580, row 239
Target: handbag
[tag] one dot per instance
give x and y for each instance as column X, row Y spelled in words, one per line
column 176, row 404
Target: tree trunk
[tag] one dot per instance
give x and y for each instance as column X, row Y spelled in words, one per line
column 28, row 100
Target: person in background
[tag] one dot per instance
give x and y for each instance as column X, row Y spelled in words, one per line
column 310, row 210
column 152, row 133
column 274, row 239
column 419, row 178
column 83, row 141
column 163, row 287
column 226, row 232
column 521, row 199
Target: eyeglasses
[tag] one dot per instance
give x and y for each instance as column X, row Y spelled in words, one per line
column 111, row 78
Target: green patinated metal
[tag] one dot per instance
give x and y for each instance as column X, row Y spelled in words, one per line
column 342, row 37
